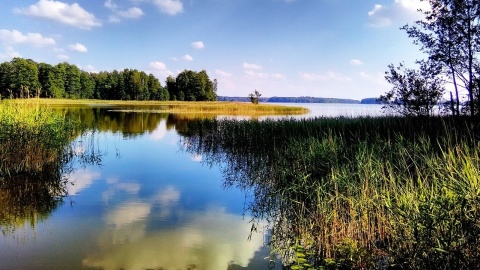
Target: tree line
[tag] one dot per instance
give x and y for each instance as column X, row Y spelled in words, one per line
column 449, row 35
column 25, row 78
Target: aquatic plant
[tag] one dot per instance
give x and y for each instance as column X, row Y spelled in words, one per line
column 32, row 138
column 356, row 193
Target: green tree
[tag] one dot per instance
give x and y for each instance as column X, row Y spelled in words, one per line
column 171, row 85
column 46, row 77
column 255, row 97
column 58, row 83
column 87, row 85
column 414, row 92
column 6, row 80
column 24, row 80
column 72, row 81
column 450, row 35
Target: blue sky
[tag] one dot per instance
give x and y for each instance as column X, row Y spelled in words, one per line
column 320, row 48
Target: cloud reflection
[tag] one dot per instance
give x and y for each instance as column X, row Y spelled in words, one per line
column 81, row 179
column 210, row 239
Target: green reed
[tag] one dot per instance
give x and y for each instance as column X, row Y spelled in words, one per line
column 357, row 193
column 32, row 137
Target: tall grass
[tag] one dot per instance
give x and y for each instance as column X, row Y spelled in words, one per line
column 32, row 138
column 356, row 193
column 183, row 107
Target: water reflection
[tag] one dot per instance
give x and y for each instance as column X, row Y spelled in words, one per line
column 29, row 198
column 135, row 202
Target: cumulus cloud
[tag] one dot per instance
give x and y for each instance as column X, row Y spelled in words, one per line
column 160, row 69
column 73, row 15
column 14, row 36
column 130, row 13
column 328, row 76
column 198, row 45
column 401, row 11
column 171, row 7
column 356, row 62
column 187, row 58
column 78, row 47
column 133, row 12
column 251, row 66
column 223, row 73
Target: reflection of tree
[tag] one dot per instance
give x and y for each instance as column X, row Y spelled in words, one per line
column 129, row 123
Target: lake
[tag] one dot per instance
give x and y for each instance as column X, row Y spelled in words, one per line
column 138, row 200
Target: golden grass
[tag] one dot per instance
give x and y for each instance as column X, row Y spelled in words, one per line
column 181, row 107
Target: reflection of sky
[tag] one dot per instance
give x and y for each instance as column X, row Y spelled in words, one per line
column 150, row 206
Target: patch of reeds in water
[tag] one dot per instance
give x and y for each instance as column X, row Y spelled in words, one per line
column 32, row 138
column 356, row 193
column 184, row 107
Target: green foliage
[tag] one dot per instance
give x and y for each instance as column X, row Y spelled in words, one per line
column 365, row 192
column 32, row 138
column 449, row 34
column 414, row 93
column 191, row 86
column 255, row 97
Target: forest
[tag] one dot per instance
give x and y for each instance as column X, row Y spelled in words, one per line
column 25, row 78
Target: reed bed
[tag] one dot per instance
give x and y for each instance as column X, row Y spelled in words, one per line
column 184, row 107
column 363, row 193
column 32, row 138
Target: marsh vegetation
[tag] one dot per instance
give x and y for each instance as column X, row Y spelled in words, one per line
column 358, row 193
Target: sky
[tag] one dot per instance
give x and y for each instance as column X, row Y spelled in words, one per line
column 289, row 48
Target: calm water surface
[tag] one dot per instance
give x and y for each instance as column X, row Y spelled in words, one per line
column 144, row 204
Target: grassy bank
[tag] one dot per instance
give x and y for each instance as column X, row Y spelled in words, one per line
column 32, row 138
column 219, row 108
column 360, row 193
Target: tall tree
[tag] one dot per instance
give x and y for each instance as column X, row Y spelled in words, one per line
column 24, row 81
column 171, row 85
column 450, row 35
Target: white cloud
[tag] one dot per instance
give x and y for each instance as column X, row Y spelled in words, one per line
column 9, row 53
column 413, row 5
column 328, row 76
column 158, row 65
column 73, row 14
column 110, row 5
column 356, row 62
column 133, row 12
column 251, row 66
column 223, row 73
column 159, row 68
column 171, row 7
column 198, row 45
column 78, row 47
column 187, row 58
column 14, row 36
column 401, row 11
column 380, row 16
